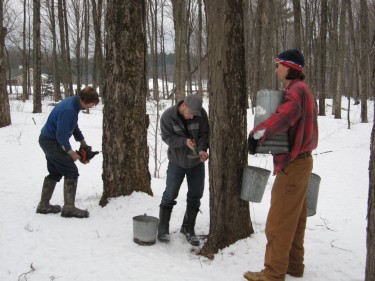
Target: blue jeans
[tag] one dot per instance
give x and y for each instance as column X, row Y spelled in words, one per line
column 59, row 163
column 195, row 180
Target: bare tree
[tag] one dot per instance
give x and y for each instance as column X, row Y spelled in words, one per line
column 87, row 7
column 77, row 19
column 180, row 66
column 50, row 4
column 297, row 24
column 322, row 58
column 229, row 215
column 26, row 57
column 98, row 63
column 4, row 99
column 370, row 258
column 340, row 62
column 64, row 60
column 67, row 43
column 37, row 69
column 364, row 58
column 125, row 150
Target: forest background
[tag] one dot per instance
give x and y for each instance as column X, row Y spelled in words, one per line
column 222, row 49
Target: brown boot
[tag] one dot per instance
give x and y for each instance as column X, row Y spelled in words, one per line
column 44, row 207
column 256, row 276
column 69, row 210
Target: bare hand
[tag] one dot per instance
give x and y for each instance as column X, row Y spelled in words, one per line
column 203, row 155
column 190, row 143
column 74, row 155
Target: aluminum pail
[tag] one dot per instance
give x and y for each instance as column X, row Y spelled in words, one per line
column 254, row 182
column 312, row 194
column 145, row 229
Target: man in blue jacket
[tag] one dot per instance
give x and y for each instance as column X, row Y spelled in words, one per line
column 61, row 124
column 185, row 129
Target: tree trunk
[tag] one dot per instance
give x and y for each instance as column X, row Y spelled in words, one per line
column 98, row 77
column 55, row 63
column 180, row 27
column 199, row 55
column 125, row 150
column 4, row 99
column 370, row 258
column 68, row 60
column 37, row 69
column 64, row 75
column 25, row 57
column 364, row 58
column 323, row 50
column 86, row 40
column 229, row 215
column 257, row 62
column 340, row 88
column 297, row 24
column 354, row 77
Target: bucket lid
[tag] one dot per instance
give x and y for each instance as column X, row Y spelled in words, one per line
column 145, row 218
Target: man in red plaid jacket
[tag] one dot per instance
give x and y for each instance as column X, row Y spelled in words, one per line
column 286, row 221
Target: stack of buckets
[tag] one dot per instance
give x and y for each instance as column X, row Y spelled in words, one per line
column 254, row 179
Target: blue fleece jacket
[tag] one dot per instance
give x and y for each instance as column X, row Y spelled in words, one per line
column 62, row 122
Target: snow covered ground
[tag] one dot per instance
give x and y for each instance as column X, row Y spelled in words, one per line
column 49, row 247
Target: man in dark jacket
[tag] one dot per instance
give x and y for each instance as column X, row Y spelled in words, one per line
column 61, row 124
column 286, row 221
column 185, row 129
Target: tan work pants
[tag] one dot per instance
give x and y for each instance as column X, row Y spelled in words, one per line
column 286, row 221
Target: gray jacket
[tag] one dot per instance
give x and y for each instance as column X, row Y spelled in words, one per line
column 175, row 135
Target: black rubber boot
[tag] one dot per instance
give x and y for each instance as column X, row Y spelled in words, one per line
column 188, row 226
column 163, row 227
column 44, row 207
column 69, row 210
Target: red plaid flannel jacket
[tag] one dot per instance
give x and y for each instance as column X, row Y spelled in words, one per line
column 298, row 115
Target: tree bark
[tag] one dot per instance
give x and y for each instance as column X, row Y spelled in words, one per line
column 323, row 50
column 364, row 58
column 297, row 24
column 37, row 69
column 68, row 60
column 5, row 119
column 180, row 27
column 25, row 57
column 370, row 258
column 229, row 215
column 64, row 61
column 98, row 69
column 125, row 149
column 55, row 63
column 340, row 88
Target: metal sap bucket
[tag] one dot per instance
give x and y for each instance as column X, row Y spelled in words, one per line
column 267, row 102
column 254, row 182
column 312, row 194
column 145, row 229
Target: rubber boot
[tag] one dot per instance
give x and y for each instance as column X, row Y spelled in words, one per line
column 163, row 227
column 69, row 210
column 188, row 226
column 44, row 207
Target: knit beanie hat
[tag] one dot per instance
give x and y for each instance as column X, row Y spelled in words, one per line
column 194, row 103
column 291, row 58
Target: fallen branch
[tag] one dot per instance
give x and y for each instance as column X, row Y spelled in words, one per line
column 24, row 274
column 325, row 223
column 333, row 246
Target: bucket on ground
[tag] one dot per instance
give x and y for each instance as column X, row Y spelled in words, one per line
column 266, row 104
column 312, row 194
column 254, row 182
column 145, row 229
